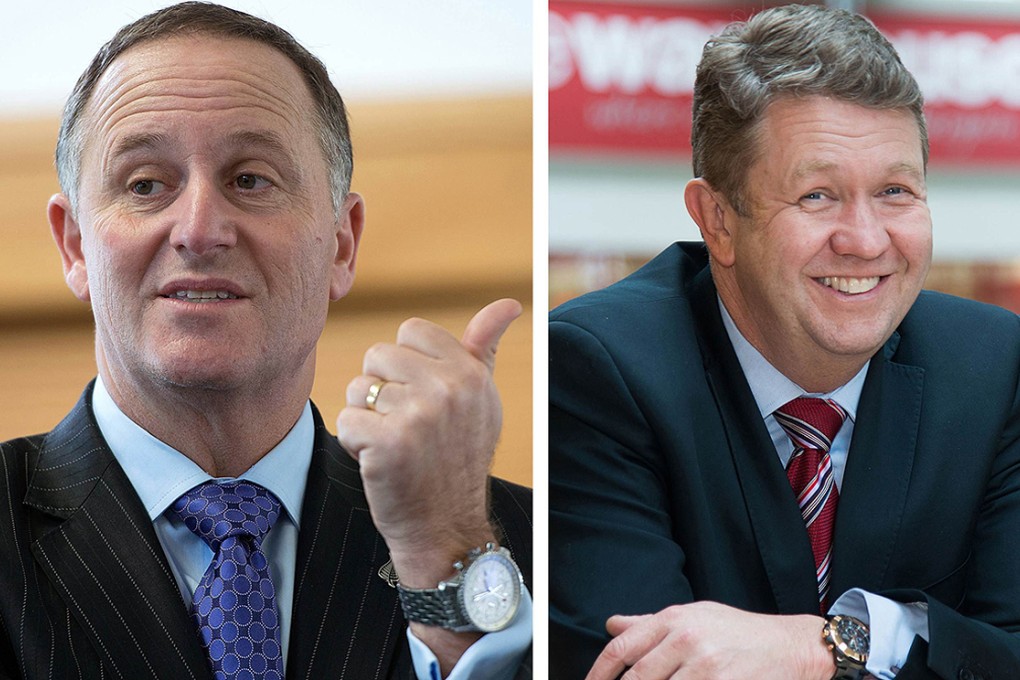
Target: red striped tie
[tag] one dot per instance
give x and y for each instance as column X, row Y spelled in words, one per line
column 812, row 424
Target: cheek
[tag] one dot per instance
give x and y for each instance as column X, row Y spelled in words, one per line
column 300, row 265
column 117, row 257
column 913, row 239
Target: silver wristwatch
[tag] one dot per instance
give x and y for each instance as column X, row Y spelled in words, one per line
column 484, row 595
column 850, row 642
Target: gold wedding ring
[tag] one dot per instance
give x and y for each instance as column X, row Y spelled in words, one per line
column 373, row 394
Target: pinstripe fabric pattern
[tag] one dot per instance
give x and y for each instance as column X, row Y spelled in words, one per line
column 811, row 425
column 86, row 591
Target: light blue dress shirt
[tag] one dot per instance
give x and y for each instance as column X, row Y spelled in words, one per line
column 893, row 625
column 160, row 474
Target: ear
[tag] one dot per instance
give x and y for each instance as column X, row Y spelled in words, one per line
column 714, row 217
column 348, row 238
column 67, row 234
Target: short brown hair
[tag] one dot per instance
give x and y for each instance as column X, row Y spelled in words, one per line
column 202, row 18
column 789, row 51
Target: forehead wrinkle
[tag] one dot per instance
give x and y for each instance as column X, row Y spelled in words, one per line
column 261, row 67
column 135, row 85
column 149, row 97
column 168, row 133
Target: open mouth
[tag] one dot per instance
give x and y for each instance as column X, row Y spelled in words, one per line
column 202, row 296
column 850, row 285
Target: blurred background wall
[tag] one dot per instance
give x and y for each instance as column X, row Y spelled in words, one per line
column 620, row 81
column 439, row 95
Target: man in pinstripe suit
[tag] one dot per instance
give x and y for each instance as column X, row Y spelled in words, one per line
column 205, row 215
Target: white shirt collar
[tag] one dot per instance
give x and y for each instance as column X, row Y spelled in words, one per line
column 160, row 473
column 772, row 389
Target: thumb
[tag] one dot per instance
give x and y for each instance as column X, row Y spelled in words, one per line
column 486, row 328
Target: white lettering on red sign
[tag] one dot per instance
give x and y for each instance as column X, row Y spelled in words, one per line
column 967, row 68
column 624, row 54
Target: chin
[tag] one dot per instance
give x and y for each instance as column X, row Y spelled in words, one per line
column 858, row 344
column 203, row 375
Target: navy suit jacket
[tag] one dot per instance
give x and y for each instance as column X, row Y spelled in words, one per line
column 86, row 590
column 665, row 487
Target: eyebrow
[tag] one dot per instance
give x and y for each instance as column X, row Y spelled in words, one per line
column 812, row 167
column 148, row 141
column 266, row 141
column 269, row 141
column 909, row 169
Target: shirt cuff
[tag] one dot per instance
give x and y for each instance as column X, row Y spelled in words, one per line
column 892, row 627
column 494, row 656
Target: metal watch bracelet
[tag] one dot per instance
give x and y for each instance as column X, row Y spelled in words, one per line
column 495, row 582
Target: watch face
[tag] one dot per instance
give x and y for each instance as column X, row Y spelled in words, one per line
column 854, row 636
column 491, row 592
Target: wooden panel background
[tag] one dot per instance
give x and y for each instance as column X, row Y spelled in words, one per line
column 447, row 185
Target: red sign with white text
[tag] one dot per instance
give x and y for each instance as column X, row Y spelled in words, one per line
column 621, row 78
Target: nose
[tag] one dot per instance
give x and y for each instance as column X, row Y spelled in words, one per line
column 204, row 223
column 862, row 232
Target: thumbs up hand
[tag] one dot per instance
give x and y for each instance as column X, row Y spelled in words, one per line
column 423, row 421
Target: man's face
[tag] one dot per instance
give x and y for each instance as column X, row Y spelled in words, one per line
column 838, row 242
column 208, row 243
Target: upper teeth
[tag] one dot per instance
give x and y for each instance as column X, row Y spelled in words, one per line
column 851, row 286
column 203, row 295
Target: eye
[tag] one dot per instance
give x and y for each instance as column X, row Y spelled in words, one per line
column 895, row 191
column 146, row 187
column 250, row 182
column 813, row 196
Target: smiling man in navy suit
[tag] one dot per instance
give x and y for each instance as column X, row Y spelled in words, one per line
column 772, row 455
column 192, row 517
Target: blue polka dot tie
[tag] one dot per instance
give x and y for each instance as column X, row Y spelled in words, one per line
column 234, row 606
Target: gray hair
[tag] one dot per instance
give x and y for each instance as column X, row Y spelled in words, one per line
column 201, row 18
column 789, row 51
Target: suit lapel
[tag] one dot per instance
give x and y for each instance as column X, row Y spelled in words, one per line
column 347, row 621
column 878, row 472
column 96, row 544
column 771, row 508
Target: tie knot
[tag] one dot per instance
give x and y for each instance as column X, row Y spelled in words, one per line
column 216, row 512
column 811, row 423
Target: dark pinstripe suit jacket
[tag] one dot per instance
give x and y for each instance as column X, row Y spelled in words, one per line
column 86, row 591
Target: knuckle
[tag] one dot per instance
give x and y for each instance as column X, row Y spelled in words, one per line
column 410, row 327
column 674, row 611
column 373, row 355
column 446, row 387
column 682, row 641
column 353, row 392
column 346, row 428
column 617, row 650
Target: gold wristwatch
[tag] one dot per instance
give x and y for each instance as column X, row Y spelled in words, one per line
column 850, row 642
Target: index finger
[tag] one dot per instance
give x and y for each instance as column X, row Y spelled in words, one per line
column 624, row 650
